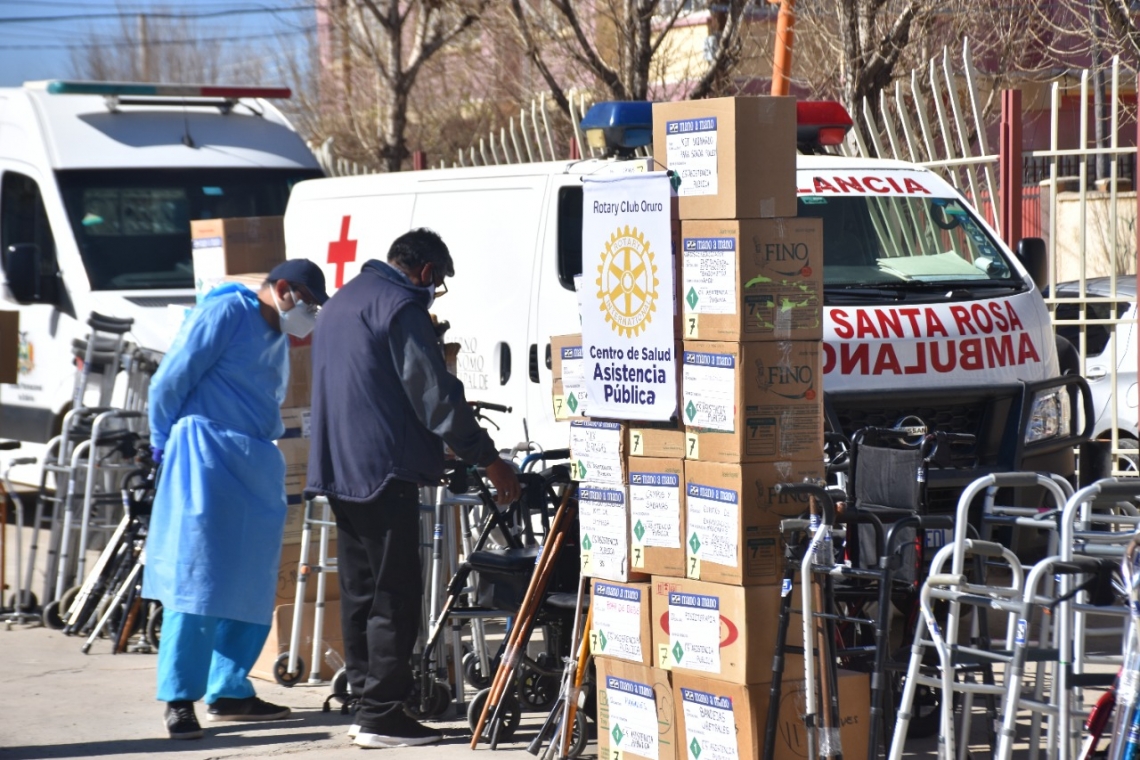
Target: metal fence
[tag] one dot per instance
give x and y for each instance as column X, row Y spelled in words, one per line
column 934, row 119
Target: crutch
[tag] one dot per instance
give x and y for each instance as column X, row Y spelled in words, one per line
column 524, row 620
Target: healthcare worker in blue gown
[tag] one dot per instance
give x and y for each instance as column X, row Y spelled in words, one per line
column 219, row 510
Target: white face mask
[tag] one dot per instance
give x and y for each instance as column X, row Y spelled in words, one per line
column 298, row 321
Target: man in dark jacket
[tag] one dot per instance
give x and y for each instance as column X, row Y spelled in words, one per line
column 382, row 402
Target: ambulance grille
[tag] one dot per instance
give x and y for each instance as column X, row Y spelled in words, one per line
column 950, row 418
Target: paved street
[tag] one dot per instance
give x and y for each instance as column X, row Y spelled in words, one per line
column 56, row 702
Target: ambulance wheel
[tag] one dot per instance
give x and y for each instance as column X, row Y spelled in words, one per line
column 281, row 670
column 472, row 672
column 23, row 601
column 512, row 714
column 154, row 626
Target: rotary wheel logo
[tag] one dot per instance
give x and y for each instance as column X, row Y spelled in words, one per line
column 627, row 282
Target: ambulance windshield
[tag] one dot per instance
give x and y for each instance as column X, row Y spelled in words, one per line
column 905, row 242
column 132, row 226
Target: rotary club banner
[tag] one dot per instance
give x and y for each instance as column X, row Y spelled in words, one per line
column 627, row 298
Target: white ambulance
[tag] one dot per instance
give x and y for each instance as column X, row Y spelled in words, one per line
column 931, row 322
column 98, row 185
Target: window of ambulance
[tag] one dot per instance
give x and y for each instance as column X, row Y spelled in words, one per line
column 132, row 226
column 905, row 246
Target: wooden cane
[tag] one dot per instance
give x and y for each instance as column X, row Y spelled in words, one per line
column 526, row 613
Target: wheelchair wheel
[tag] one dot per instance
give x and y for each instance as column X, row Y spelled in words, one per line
column 472, row 674
column 339, row 686
column 512, row 714
column 23, row 601
column 281, row 670
column 55, row 614
column 580, row 736
column 437, row 705
column 536, row 690
column 154, row 626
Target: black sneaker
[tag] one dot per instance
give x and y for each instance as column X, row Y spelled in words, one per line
column 397, row 731
column 250, row 708
column 181, row 722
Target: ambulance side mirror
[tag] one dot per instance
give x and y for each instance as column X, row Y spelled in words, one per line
column 1034, row 256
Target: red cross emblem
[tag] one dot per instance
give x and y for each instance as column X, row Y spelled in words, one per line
column 342, row 251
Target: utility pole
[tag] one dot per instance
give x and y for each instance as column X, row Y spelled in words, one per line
column 144, row 50
column 785, row 36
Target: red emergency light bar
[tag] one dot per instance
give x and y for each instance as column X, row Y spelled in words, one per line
column 144, row 90
column 821, row 122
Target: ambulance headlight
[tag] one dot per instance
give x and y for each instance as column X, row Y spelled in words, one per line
column 1051, row 415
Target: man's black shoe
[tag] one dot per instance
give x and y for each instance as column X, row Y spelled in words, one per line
column 181, row 722
column 397, row 731
column 250, row 708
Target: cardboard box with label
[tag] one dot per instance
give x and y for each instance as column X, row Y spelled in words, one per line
column 732, row 518
column 736, row 157
column 854, row 716
column 657, row 515
column 296, row 452
column 299, row 391
column 634, row 703
column 288, row 573
column 603, row 523
column 620, row 626
column 752, row 402
column 597, row 451
column 278, row 641
column 723, row 632
column 704, row 706
column 753, row 279
column 567, row 366
column 223, row 247
column 657, row 439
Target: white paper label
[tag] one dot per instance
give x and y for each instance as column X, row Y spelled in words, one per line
column 708, row 390
column 710, row 731
column 655, row 509
column 617, row 619
column 690, row 150
column 573, row 383
column 604, row 529
column 694, row 631
column 709, row 275
column 595, row 451
column 633, row 717
column 712, row 523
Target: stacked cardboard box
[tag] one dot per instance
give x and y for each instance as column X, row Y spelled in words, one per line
column 750, row 279
column 226, row 247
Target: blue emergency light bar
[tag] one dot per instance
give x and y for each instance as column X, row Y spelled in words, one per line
column 619, row 126
column 144, row 90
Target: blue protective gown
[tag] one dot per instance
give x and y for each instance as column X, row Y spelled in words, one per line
column 219, row 511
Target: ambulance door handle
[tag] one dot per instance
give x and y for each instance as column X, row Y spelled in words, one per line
column 1096, row 372
column 533, row 362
